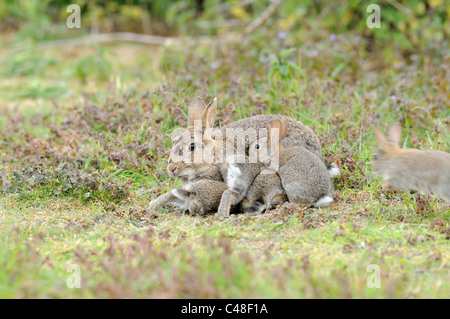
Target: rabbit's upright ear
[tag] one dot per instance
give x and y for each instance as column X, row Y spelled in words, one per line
column 395, row 133
column 379, row 136
column 277, row 130
column 274, row 131
column 195, row 111
column 284, row 126
column 209, row 114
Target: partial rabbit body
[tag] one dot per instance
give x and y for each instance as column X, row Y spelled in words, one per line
column 297, row 134
column 239, row 175
column 264, row 194
column 191, row 171
column 427, row 171
column 411, row 169
column 304, row 177
column 198, row 197
column 192, row 155
column 202, row 196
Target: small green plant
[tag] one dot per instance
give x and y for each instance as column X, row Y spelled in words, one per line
column 283, row 73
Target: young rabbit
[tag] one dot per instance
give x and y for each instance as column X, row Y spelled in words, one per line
column 198, row 198
column 238, row 174
column 304, row 176
column 411, row 169
column 264, row 194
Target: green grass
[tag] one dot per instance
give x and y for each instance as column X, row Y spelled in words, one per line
column 280, row 254
column 84, row 149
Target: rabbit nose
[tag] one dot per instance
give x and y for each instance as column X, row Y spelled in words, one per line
column 171, row 169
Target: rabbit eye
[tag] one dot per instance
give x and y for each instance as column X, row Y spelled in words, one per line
column 192, row 146
column 257, row 146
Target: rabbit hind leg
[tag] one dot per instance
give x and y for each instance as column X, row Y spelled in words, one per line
column 229, row 199
column 165, row 199
column 278, row 200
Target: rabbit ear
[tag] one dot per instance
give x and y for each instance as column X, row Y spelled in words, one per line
column 195, row 110
column 274, row 135
column 395, row 133
column 380, row 137
column 209, row 114
column 274, row 131
column 284, row 126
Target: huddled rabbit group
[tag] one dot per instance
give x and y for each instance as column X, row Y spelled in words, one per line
column 257, row 163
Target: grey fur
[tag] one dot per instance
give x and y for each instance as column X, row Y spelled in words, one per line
column 264, row 194
column 199, row 197
column 304, row 176
column 238, row 184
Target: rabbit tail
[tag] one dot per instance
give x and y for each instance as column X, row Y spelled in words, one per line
column 333, row 170
column 323, row 202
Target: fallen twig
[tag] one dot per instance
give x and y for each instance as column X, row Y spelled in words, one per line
column 124, row 36
column 261, row 20
column 110, row 37
column 401, row 8
column 153, row 39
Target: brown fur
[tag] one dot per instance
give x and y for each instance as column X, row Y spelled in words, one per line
column 411, row 169
column 185, row 167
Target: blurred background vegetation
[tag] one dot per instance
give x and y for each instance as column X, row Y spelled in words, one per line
column 409, row 24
